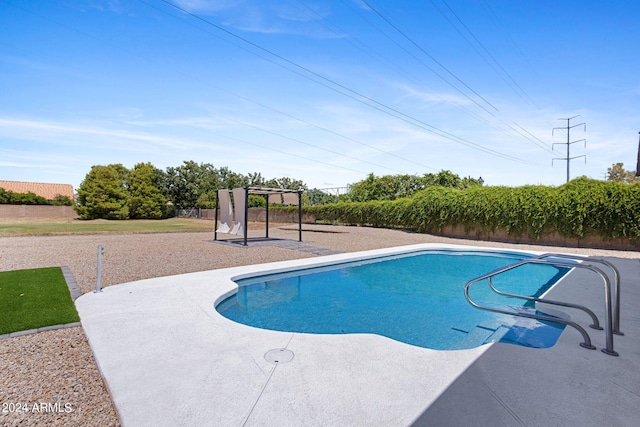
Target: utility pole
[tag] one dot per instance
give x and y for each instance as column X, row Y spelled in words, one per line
column 569, row 142
column 638, row 163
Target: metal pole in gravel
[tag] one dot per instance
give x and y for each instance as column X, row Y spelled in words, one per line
column 99, row 274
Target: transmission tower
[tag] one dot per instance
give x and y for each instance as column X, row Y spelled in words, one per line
column 569, row 142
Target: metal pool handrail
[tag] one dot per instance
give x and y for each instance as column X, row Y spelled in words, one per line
column 607, row 285
column 616, row 279
column 594, row 318
column 585, row 336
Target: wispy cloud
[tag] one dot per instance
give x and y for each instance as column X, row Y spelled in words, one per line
column 260, row 16
column 430, row 98
column 199, row 122
column 361, row 4
column 208, row 6
column 46, row 131
column 17, row 165
column 37, row 66
column 22, row 156
column 111, row 6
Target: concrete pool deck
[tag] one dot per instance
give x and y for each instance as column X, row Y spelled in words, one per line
column 169, row 358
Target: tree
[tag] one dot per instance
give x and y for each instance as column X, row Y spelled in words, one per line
column 446, row 178
column 207, row 200
column 319, row 197
column 144, row 185
column 229, row 179
column 189, row 181
column 255, row 179
column 121, row 171
column 115, row 192
column 617, row 173
column 102, row 194
column 285, row 183
column 391, row 187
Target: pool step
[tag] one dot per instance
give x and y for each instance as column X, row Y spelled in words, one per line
column 497, row 328
column 531, row 333
column 520, row 330
column 485, row 332
column 498, row 334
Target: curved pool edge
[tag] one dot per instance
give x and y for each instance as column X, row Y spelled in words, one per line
column 243, row 272
column 335, row 261
column 192, row 354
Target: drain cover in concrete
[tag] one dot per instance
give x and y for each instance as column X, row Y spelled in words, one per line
column 279, row 355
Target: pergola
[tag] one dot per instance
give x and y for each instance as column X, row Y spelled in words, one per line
column 241, row 208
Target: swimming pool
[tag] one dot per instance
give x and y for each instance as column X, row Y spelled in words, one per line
column 415, row 297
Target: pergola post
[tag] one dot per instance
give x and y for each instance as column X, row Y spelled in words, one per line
column 215, row 221
column 246, row 214
column 266, row 197
column 299, row 215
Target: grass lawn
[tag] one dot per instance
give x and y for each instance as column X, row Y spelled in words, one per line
column 62, row 226
column 35, row 298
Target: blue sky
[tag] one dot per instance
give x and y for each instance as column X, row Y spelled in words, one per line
column 325, row 91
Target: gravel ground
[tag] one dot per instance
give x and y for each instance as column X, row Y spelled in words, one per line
column 51, row 378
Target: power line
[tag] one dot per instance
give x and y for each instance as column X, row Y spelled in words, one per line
column 355, row 42
column 526, row 136
column 359, row 97
column 421, row 62
column 536, row 140
column 305, row 143
column 356, row 96
column 509, row 80
column 498, row 23
column 286, row 153
column 306, row 122
column 511, row 84
column 517, row 132
column 257, row 103
column 424, row 51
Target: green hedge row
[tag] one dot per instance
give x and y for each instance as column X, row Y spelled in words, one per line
column 8, row 197
column 583, row 207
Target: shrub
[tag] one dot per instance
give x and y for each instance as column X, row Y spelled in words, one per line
column 10, row 198
column 580, row 208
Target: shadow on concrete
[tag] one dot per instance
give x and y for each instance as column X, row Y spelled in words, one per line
column 565, row 385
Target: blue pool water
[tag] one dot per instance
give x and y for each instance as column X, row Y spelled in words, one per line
column 416, row 298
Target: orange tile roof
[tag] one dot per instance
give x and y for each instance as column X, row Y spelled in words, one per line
column 48, row 191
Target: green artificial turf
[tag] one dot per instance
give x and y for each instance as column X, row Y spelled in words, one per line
column 35, row 298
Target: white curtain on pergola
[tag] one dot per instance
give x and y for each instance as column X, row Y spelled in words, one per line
column 237, row 213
